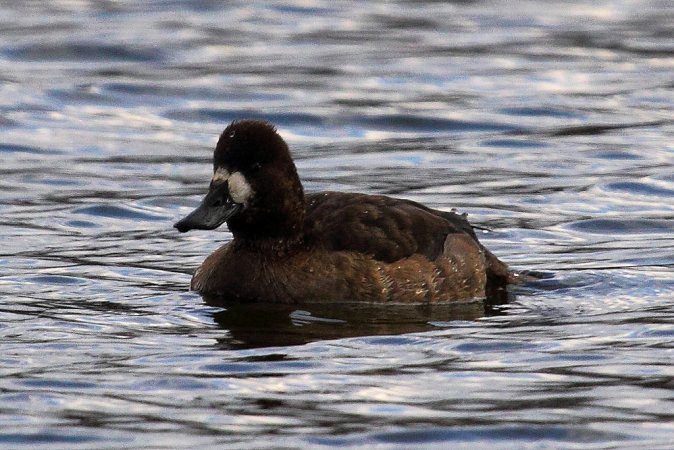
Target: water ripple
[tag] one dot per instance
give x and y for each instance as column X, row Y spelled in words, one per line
column 623, row 226
column 84, row 52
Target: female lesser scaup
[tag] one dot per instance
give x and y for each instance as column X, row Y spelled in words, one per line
column 328, row 246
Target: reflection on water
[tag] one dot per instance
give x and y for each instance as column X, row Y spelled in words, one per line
column 281, row 325
column 549, row 123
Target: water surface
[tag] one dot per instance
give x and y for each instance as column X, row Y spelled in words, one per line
column 549, row 123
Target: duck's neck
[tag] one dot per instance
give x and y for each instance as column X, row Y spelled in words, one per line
column 268, row 246
column 278, row 229
column 273, row 221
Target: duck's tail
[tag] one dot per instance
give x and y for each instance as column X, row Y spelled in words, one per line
column 498, row 273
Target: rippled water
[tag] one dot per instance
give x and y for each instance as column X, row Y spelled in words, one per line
column 550, row 123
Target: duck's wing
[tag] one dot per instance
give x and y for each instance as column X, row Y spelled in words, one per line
column 386, row 228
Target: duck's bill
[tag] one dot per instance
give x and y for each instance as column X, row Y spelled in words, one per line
column 213, row 211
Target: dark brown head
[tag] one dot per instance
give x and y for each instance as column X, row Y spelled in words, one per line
column 255, row 187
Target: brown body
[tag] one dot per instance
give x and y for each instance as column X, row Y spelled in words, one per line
column 330, row 246
column 357, row 247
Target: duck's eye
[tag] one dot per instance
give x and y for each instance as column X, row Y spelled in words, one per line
column 256, row 167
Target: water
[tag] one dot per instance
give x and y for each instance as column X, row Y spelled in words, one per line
column 550, row 123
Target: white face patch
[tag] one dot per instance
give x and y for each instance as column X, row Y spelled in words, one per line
column 239, row 189
column 220, row 176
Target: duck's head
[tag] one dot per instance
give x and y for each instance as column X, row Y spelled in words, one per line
column 255, row 187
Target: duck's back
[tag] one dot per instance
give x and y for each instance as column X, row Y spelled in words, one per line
column 391, row 229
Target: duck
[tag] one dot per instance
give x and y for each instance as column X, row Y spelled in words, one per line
column 291, row 247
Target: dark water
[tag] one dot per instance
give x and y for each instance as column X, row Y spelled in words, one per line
column 551, row 123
